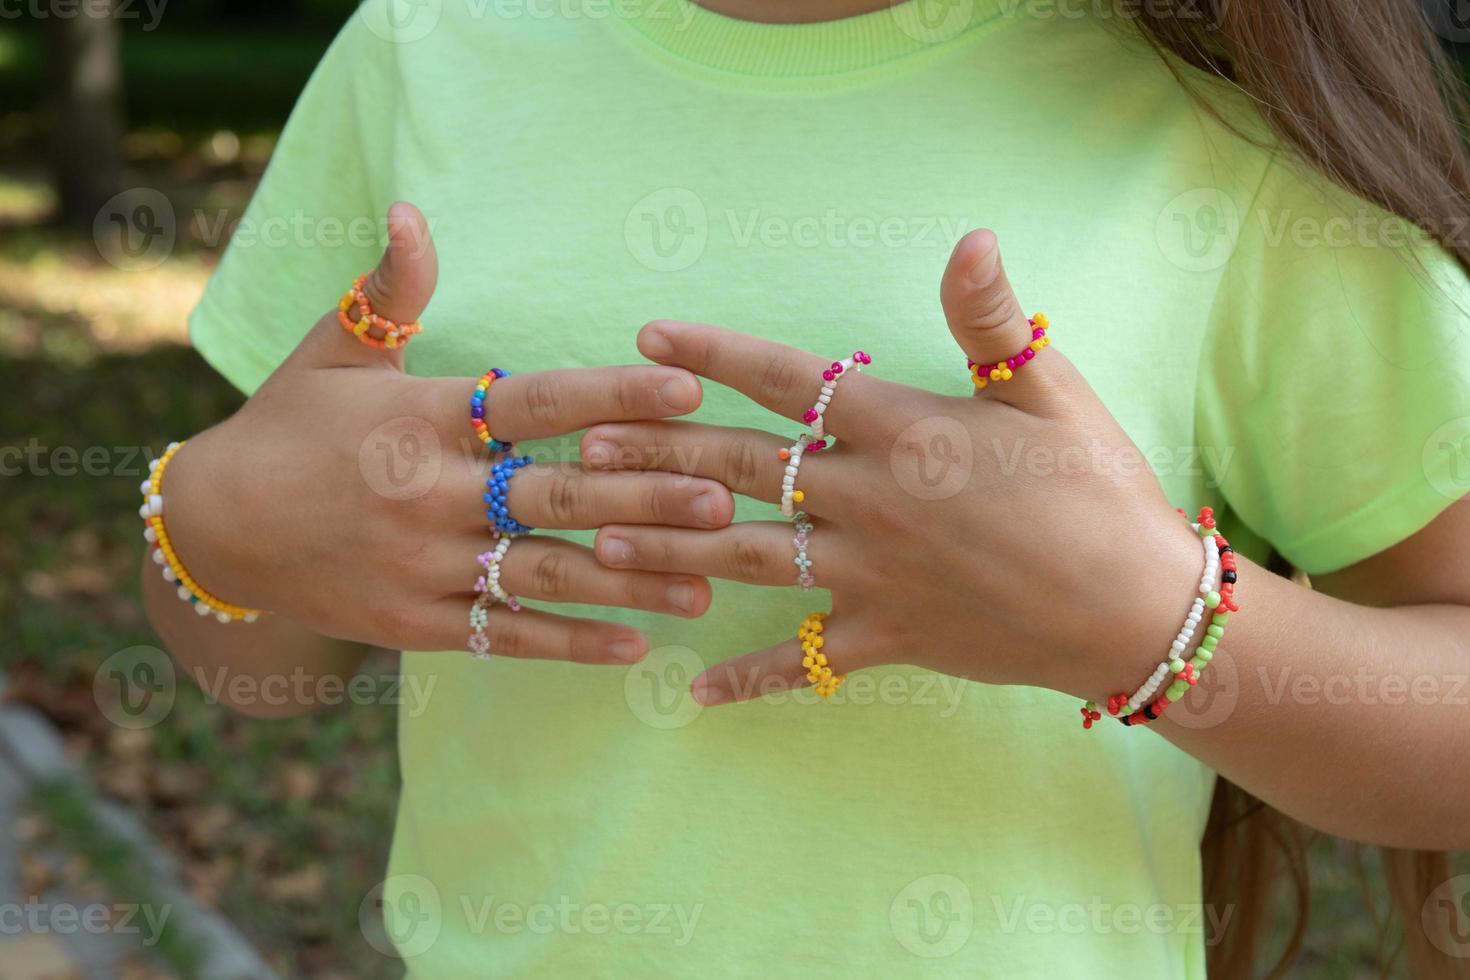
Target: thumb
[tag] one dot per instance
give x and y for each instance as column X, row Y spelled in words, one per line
column 398, row 288
column 988, row 323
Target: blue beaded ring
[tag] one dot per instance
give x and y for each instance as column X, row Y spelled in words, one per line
column 497, row 489
column 478, row 421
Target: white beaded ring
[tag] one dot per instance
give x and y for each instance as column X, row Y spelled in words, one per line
column 490, row 592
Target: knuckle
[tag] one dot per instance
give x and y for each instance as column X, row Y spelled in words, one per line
column 748, row 562
column 551, row 576
column 564, row 499
column 739, row 466
column 543, row 400
column 628, row 395
column 779, row 378
column 655, row 504
column 508, row 636
column 993, row 308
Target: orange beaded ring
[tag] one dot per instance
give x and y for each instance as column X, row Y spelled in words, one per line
column 818, row 671
column 395, row 335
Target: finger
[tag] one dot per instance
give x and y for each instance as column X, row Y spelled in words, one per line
column 529, row 634
column 565, row 497
column 748, row 461
column 550, row 569
column 990, row 326
column 399, row 289
column 754, row 552
column 783, row 379
column 553, row 403
column 776, row 668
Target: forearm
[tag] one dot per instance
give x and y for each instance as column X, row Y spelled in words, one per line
column 265, row 669
column 1349, row 718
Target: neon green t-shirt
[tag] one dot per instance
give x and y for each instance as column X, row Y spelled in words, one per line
column 589, row 166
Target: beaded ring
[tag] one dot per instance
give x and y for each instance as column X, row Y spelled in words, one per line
column 803, row 526
column 497, row 489
column 489, row 592
column 205, row 603
column 790, row 496
column 983, row 374
column 830, row 377
column 478, row 422
column 395, row 335
column 818, row 671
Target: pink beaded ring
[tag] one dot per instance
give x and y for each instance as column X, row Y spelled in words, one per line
column 490, row 591
column 983, row 374
column 830, row 376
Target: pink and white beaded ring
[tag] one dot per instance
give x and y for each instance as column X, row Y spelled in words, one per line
column 983, row 374
column 830, row 377
column 489, row 592
column 817, row 439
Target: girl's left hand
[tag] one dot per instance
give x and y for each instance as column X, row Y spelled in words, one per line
column 942, row 543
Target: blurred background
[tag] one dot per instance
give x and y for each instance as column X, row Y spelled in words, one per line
column 143, row 832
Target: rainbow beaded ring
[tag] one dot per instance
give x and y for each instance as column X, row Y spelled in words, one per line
column 478, row 421
column 154, row 532
column 983, row 374
column 818, row 671
column 395, row 335
column 497, row 488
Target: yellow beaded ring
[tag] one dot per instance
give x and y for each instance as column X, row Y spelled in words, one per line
column 983, row 374
column 395, row 335
column 818, row 671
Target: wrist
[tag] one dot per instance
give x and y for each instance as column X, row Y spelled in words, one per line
column 1151, row 590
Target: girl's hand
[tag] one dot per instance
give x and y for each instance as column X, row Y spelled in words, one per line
column 938, row 548
column 287, row 506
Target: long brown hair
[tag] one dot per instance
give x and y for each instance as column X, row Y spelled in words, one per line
column 1364, row 93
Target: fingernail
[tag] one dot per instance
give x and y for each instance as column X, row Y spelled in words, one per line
column 675, row 394
column 681, row 597
column 707, row 694
column 705, row 508
column 628, row 651
column 616, row 551
column 982, row 273
column 599, row 454
column 655, row 343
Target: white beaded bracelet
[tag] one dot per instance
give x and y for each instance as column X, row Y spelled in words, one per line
column 1207, row 586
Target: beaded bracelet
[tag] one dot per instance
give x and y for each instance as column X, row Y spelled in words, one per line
column 498, row 489
column 395, row 335
column 803, row 526
column 478, row 420
column 1186, row 674
column 489, row 592
column 983, row 374
column 830, row 377
column 818, row 671
column 790, row 496
column 174, row 572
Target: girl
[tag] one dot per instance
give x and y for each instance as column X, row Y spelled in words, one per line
column 1243, row 221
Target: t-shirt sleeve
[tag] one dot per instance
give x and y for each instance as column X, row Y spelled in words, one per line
column 1334, row 388
column 317, row 219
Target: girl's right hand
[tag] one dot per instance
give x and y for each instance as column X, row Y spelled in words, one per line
column 276, row 508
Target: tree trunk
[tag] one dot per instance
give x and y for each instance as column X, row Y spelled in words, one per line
column 86, row 110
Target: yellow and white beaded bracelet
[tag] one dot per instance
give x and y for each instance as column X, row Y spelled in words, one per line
column 205, row 603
